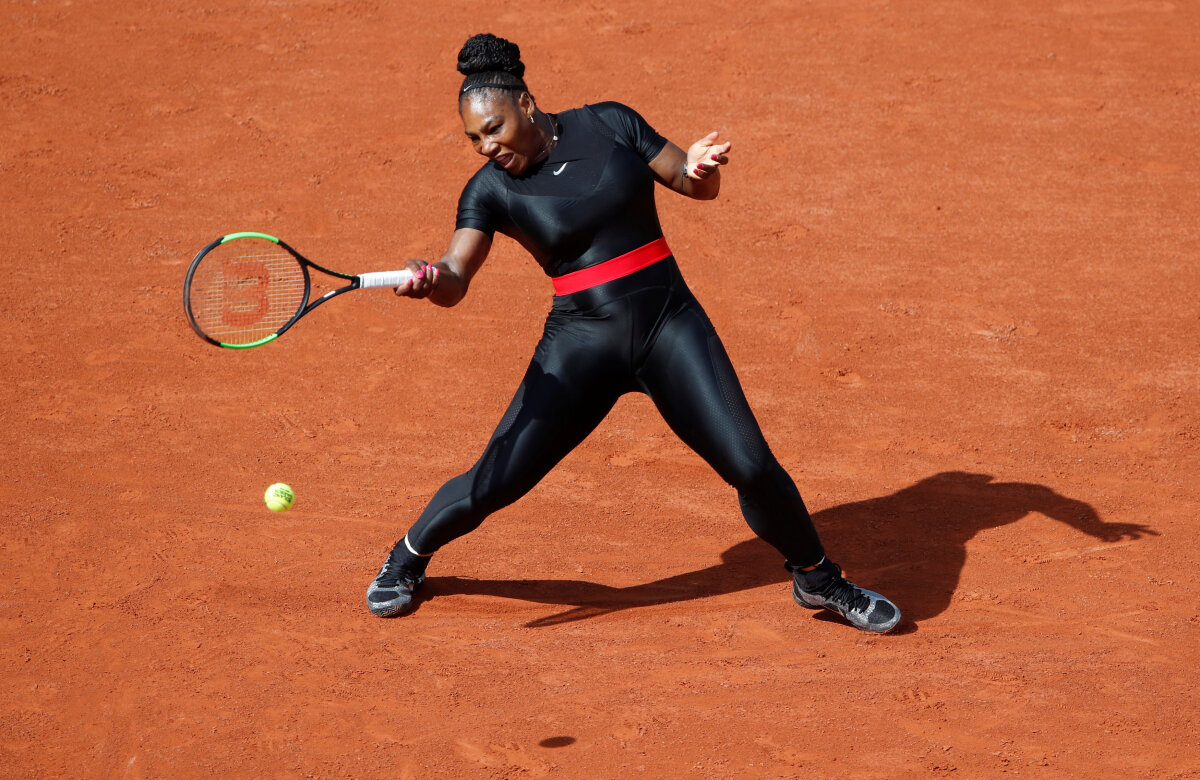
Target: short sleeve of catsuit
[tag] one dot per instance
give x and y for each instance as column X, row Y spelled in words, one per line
column 479, row 206
column 631, row 129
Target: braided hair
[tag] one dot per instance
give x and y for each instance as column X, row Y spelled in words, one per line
column 491, row 64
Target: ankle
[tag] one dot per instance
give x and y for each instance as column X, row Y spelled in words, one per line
column 818, row 575
column 408, row 561
column 807, row 569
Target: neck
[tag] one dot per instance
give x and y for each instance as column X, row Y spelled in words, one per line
column 545, row 126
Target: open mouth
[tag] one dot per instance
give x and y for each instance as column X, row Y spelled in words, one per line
column 505, row 160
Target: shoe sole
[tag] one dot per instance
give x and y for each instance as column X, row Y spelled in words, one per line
column 389, row 609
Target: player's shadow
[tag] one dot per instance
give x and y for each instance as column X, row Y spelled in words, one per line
column 909, row 545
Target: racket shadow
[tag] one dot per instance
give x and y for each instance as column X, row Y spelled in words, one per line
column 909, row 545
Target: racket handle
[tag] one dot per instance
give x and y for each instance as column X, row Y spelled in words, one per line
column 384, row 279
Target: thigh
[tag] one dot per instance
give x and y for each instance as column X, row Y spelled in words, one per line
column 570, row 386
column 565, row 394
column 691, row 380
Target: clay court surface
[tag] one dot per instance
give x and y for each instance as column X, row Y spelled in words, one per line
column 954, row 261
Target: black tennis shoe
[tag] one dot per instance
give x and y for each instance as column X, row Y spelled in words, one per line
column 391, row 593
column 825, row 587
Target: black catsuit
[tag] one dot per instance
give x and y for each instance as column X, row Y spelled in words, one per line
column 591, row 200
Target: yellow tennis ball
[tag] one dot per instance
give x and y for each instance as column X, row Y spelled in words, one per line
column 279, row 497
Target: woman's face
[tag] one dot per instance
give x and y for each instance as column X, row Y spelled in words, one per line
column 499, row 129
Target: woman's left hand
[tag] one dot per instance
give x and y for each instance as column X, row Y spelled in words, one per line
column 706, row 154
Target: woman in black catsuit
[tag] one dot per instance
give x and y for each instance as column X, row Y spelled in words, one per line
column 576, row 189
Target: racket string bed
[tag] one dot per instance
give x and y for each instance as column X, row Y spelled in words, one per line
column 241, row 297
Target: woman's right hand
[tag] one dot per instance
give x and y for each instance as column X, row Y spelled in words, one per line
column 445, row 282
column 425, row 279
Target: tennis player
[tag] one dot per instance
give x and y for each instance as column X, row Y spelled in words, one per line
column 576, row 189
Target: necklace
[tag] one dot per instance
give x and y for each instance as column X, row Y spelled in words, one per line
column 553, row 142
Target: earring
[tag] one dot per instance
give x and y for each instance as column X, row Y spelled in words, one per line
column 531, row 119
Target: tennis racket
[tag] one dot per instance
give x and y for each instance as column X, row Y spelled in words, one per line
column 246, row 289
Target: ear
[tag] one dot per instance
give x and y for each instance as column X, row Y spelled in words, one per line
column 526, row 103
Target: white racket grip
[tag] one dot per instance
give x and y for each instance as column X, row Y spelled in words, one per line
column 384, row 279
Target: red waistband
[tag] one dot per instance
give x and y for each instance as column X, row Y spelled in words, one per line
column 622, row 265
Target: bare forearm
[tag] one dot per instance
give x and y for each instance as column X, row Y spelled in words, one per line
column 451, row 286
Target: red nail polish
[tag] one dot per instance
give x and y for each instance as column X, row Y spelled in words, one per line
column 714, row 156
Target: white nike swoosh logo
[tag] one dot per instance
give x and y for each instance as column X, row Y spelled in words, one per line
column 560, row 169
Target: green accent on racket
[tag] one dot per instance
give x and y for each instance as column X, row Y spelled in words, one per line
column 248, row 234
column 258, row 343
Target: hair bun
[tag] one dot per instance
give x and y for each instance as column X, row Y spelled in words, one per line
column 485, row 53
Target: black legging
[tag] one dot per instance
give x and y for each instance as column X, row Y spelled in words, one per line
column 641, row 333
